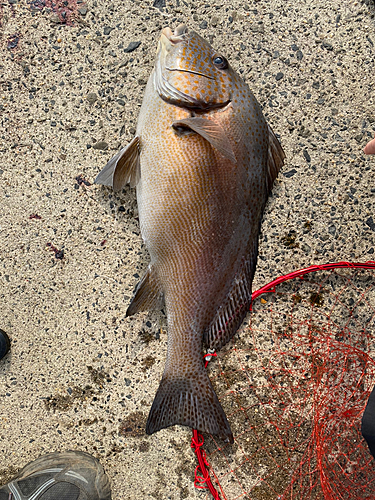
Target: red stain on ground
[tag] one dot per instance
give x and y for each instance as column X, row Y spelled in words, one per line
column 59, row 254
column 82, row 181
column 65, row 9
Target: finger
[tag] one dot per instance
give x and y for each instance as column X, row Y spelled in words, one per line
column 370, row 148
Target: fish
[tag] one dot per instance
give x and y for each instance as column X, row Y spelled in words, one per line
column 203, row 161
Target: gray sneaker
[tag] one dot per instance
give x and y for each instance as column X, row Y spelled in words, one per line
column 72, row 475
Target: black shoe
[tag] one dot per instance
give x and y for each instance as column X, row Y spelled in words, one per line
column 72, row 475
column 4, row 343
column 368, row 423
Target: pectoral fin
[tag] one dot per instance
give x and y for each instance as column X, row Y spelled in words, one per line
column 148, row 294
column 210, row 131
column 123, row 168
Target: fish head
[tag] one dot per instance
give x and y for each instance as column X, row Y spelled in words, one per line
column 190, row 73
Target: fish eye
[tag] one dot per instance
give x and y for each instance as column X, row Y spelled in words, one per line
column 220, row 62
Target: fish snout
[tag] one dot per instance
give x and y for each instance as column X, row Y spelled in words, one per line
column 176, row 36
column 180, row 30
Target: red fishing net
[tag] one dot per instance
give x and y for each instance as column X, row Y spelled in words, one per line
column 294, row 384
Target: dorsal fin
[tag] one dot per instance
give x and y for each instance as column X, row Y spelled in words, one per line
column 233, row 310
column 123, row 168
column 276, row 158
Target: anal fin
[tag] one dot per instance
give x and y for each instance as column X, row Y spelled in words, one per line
column 148, row 294
column 123, row 168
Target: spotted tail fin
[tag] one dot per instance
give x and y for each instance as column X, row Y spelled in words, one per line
column 190, row 402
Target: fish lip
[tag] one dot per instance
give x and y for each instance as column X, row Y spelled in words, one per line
column 174, row 37
column 180, row 30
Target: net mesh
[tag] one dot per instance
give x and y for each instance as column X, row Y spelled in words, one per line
column 294, row 385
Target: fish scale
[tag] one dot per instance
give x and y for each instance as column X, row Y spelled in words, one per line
column 203, row 161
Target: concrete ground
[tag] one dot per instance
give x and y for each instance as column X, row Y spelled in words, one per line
column 80, row 375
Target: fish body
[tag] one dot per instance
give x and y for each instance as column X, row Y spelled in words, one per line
column 203, row 161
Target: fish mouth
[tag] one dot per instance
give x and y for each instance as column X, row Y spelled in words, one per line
column 177, row 36
column 169, row 39
column 180, row 70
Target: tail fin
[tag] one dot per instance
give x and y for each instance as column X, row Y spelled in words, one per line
column 190, row 402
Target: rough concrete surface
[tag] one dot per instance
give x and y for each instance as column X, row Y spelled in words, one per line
column 80, row 375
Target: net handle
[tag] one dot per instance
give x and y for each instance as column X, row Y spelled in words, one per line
column 197, row 440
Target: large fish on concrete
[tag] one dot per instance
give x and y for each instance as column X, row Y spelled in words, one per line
column 204, row 161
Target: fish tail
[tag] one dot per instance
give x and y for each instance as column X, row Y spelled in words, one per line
column 188, row 402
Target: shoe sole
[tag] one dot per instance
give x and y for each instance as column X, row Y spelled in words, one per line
column 71, row 463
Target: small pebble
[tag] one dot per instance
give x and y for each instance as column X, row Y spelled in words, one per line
column 92, row 97
column 55, row 19
column 13, row 41
column 306, row 155
column 332, row 229
column 306, row 248
column 214, row 21
column 132, row 46
column 327, row 45
column 59, row 255
column 100, row 145
column 290, row 173
column 159, row 4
